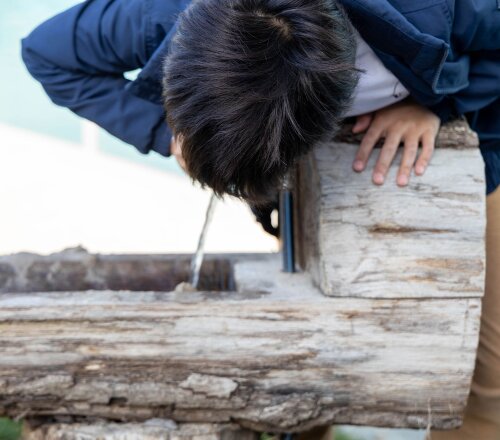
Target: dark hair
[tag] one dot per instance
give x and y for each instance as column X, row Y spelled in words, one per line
column 251, row 85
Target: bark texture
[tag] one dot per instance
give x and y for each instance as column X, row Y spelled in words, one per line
column 155, row 429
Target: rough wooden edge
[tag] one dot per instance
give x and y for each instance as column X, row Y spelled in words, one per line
column 153, row 429
column 75, row 269
column 346, row 207
column 277, row 360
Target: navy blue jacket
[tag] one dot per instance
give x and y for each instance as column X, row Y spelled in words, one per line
column 446, row 52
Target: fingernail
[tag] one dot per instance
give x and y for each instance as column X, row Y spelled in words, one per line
column 420, row 169
column 358, row 165
column 403, row 180
column 378, row 178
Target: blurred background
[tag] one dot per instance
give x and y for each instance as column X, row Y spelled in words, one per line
column 65, row 182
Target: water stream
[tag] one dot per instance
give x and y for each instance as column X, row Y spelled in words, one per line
column 198, row 256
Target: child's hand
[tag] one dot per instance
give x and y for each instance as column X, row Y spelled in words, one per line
column 404, row 122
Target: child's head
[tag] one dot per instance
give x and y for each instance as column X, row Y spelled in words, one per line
column 251, row 85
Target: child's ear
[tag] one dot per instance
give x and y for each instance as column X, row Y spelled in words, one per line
column 176, row 150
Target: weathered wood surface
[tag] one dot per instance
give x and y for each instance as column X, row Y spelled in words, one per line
column 361, row 240
column 81, row 338
column 75, row 270
column 277, row 355
column 155, row 429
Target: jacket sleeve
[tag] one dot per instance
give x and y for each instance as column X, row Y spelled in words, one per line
column 482, row 91
column 475, row 24
column 475, row 36
column 79, row 57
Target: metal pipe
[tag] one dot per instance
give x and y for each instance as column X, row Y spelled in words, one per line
column 286, row 227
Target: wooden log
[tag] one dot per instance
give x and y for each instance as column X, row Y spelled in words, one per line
column 87, row 337
column 422, row 241
column 76, row 270
column 155, row 429
column 276, row 355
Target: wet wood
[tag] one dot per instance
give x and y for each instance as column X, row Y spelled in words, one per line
column 75, row 270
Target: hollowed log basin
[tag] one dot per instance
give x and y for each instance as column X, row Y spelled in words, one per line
column 381, row 328
column 90, row 336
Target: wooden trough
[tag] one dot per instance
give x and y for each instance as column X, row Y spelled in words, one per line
column 381, row 328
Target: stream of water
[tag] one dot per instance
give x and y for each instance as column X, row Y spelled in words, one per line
column 198, row 256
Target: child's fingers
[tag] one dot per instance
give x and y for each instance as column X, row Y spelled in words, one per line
column 428, row 144
column 386, row 157
column 365, row 149
column 407, row 161
column 362, row 123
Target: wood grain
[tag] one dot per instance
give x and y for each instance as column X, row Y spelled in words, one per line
column 361, row 240
column 380, row 330
column 276, row 355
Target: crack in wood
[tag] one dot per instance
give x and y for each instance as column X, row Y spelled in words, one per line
column 401, row 229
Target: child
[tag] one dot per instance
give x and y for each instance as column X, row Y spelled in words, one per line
column 248, row 86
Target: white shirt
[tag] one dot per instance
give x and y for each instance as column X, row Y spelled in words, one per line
column 377, row 86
